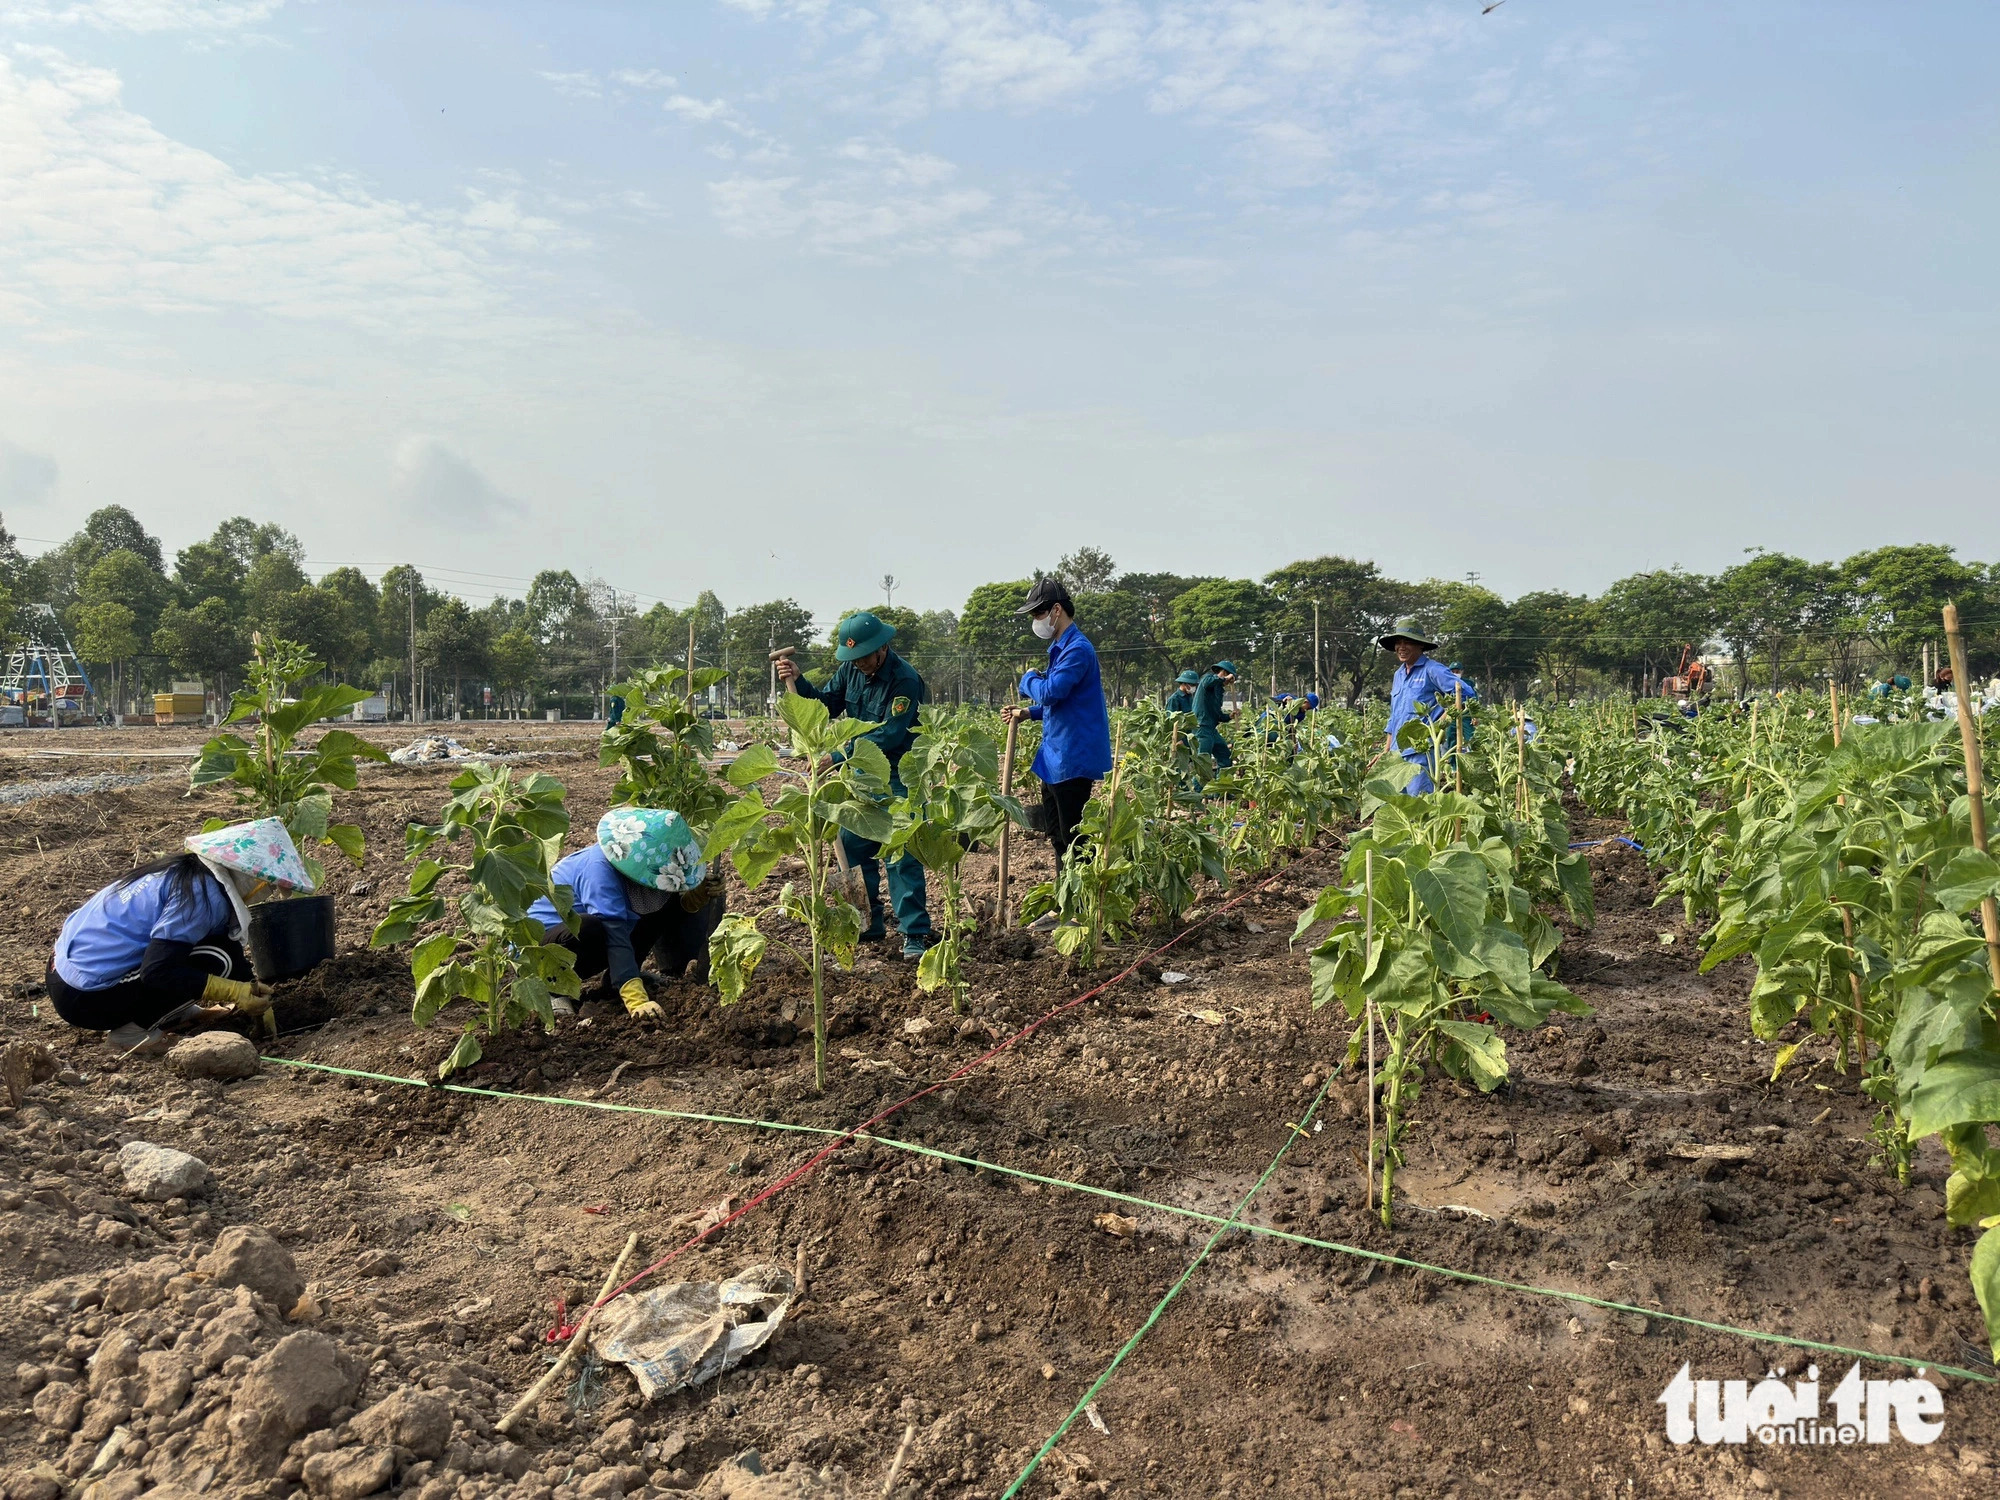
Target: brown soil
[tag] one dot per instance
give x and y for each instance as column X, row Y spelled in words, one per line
column 972, row 1305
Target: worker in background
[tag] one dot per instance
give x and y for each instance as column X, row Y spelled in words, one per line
column 1209, row 714
column 162, row 945
column 1181, row 699
column 1068, row 700
column 1422, row 689
column 640, row 887
column 873, row 683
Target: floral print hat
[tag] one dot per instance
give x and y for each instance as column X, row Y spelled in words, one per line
column 243, row 854
column 653, row 848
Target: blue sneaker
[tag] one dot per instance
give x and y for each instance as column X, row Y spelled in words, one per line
column 916, row 947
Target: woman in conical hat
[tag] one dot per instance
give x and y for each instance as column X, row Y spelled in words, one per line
column 164, row 941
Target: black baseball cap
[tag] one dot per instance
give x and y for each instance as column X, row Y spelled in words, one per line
column 1046, row 592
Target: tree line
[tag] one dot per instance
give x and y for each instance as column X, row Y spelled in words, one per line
column 1773, row 620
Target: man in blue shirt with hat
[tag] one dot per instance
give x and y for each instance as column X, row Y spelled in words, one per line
column 1424, row 689
column 1068, row 699
column 874, row 683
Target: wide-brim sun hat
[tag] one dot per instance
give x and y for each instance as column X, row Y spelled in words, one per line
column 1189, row 678
column 1406, row 629
column 862, row 635
column 654, row 848
column 1226, row 665
column 244, row 854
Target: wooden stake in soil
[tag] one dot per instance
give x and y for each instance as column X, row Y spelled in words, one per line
column 690, row 661
column 895, row 1468
column 1847, row 912
column 576, row 1342
column 1368, row 1006
column 1007, row 824
column 1975, row 779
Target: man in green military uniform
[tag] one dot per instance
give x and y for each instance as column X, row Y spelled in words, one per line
column 874, row 683
column 1210, row 715
column 1181, row 699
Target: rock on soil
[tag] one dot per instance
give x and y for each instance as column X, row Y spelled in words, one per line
column 296, row 1386
column 407, row 1419
column 245, row 1255
column 214, row 1054
column 157, row 1173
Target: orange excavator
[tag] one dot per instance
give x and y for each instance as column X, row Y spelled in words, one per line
column 1691, row 678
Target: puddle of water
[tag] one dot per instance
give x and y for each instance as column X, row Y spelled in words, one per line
column 1495, row 1196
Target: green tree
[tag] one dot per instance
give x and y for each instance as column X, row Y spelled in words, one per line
column 1561, row 628
column 124, row 577
column 756, row 632
column 115, row 529
column 1120, row 626
column 1649, row 620
column 1478, row 630
column 516, row 664
column 453, row 644
column 1356, row 605
column 1088, row 570
column 105, row 634
column 996, row 638
column 206, row 641
column 1222, row 617
column 1900, row 593
column 1764, row 606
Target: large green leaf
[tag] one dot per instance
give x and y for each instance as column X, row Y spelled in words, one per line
column 1985, row 1273
column 1453, row 891
column 463, row 1056
column 1959, row 1089
column 508, row 880
column 347, row 838
column 1970, row 877
column 862, row 819
column 745, row 814
column 752, row 766
column 431, row 952
column 866, row 757
column 1475, row 1052
column 807, row 718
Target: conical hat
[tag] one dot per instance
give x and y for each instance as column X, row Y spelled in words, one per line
column 262, row 849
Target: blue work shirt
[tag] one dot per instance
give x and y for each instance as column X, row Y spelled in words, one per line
column 1424, row 692
column 1180, row 701
column 104, row 940
column 1069, row 700
column 596, row 890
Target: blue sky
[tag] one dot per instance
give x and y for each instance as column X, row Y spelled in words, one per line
column 775, row 296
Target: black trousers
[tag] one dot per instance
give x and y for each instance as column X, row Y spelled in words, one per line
column 169, row 977
column 1062, row 809
column 674, row 938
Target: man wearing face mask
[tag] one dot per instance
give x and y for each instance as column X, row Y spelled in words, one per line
column 1068, row 699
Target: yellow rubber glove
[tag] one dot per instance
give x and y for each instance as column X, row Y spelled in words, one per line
column 238, row 994
column 633, row 993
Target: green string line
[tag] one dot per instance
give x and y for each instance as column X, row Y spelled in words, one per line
column 1160, row 1307
column 974, row 1163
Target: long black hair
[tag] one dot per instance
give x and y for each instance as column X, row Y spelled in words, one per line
column 184, row 874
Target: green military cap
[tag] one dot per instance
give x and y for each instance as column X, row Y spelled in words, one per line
column 1226, row 665
column 862, row 635
column 1189, row 678
column 1406, row 630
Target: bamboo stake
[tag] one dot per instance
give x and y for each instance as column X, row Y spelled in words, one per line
column 576, row 1342
column 1104, row 843
column 1521, row 745
column 1847, row 913
column 1007, row 825
column 1975, row 780
column 1458, row 738
column 1368, row 1008
column 895, row 1468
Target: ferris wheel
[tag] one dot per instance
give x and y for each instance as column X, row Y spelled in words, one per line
column 44, row 682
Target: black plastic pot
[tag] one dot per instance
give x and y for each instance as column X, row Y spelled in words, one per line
column 287, row 938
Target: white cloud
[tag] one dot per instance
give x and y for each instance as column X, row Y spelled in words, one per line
column 443, row 487
column 25, row 477
column 99, row 209
column 139, row 15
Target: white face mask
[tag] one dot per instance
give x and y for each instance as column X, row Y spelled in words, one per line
column 1045, row 627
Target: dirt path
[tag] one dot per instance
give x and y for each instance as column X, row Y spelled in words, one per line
column 437, row 1229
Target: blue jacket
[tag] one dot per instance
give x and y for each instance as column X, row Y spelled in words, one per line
column 105, row 939
column 1424, row 692
column 1180, row 701
column 596, row 890
column 1069, row 700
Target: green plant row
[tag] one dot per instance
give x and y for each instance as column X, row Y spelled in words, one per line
column 1848, row 872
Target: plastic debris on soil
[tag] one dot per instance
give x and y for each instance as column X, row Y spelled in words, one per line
column 434, row 748
column 692, row 1331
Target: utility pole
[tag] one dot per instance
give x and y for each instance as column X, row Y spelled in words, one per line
column 1277, row 645
column 1316, row 687
column 890, row 583
column 410, row 586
